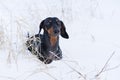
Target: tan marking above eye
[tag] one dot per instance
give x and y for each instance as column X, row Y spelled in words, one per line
column 57, row 20
column 50, row 21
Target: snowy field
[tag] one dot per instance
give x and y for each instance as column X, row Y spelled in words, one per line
column 91, row 53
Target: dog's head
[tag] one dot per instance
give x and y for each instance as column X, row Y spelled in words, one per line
column 53, row 27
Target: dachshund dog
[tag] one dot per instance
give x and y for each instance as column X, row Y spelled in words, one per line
column 46, row 45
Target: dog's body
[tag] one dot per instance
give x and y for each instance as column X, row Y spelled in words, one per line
column 48, row 45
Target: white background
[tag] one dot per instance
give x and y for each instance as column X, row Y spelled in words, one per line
column 93, row 27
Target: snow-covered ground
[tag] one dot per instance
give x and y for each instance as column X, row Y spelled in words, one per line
column 93, row 27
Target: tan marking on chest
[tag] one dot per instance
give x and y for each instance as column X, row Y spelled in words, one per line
column 53, row 40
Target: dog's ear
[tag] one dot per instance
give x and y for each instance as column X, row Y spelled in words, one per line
column 41, row 26
column 63, row 32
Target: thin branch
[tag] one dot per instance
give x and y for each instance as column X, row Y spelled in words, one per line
column 83, row 76
column 112, row 68
column 51, row 76
column 40, row 71
column 6, row 77
column 104, row 67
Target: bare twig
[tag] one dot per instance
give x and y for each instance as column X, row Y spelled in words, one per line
column 104, row 67
column 51, row 76
column 40, row 71
column 112, row 68
column 93, row 38
column 83, row 76
column 6, row 77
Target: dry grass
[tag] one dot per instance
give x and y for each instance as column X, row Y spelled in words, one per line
column 22, row 26
column 21, row 38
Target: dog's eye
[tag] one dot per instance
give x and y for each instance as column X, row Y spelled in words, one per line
column 58, row 22
column 50, row 21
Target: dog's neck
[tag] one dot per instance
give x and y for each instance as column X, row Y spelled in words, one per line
column 51, row 42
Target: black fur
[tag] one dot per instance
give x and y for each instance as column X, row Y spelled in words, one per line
column 47, row 44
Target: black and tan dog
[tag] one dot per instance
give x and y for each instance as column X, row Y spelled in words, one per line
column 46, row 45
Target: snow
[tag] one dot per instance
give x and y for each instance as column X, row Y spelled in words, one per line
column 93, row 27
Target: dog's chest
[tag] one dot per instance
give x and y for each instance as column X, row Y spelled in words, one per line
column 53, row 40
